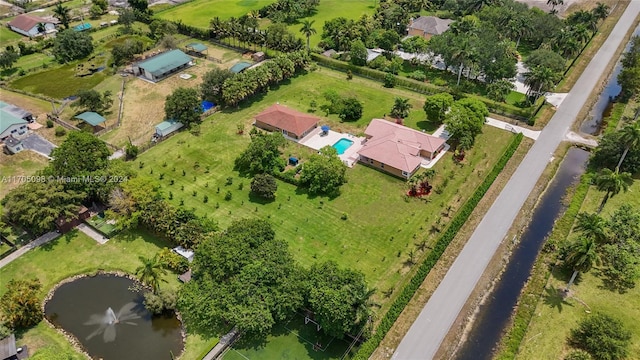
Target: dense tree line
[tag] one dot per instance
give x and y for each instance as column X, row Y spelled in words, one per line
column 629, row 77
column 222, row 87
column 288, row 10
column 246, row 277
column 620, row 147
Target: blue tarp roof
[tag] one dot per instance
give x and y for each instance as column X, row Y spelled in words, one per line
column 82, row 27
column 91, row 118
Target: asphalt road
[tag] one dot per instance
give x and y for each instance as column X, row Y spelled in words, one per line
column 423, row 339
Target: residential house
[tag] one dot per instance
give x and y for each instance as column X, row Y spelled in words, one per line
column 397, row 149
column 427, row 26
column 65, row 224
column 291, row 123
column 27, row 25
column 10, row 124
column 162, row 65
column 13, row 145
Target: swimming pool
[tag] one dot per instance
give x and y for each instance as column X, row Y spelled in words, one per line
column 342, row 145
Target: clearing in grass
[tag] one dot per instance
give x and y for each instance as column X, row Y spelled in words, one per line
column 295, row 339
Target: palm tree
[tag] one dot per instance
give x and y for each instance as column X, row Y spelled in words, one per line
column 400, row 108
column 463, row 53
column 308, row 30
column 612, row 182
column 581, row 257
column 630, row 137
column 150, row 271
column 592, row 226
column 42, row 28
column 553, row 4
column 62, row 14
column 542, row 78
column 601, row 11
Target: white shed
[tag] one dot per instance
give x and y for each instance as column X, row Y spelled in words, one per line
column 167, row 127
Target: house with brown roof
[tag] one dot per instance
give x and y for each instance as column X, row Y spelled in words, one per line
column 289, row 122
column 427, row 26
column 27, row 25
column 397, row 149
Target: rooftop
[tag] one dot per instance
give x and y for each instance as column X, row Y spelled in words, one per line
column 199, row 47
column 26, row 22
column 239, row 67
column 167, row 124
column 7, row 118
column 91, row 118
column 15, row 111
column 431, row 24
column 165, row 62
column 287, row 119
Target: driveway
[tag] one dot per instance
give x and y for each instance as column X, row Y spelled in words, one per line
column 425, row 336
column 38, row 144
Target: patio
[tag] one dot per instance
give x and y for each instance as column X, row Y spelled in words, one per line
column 318, row 139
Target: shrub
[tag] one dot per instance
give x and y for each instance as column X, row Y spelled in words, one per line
column 351, row 110
column 228, row 196
column 603, row 336
column 49, row 124
column 578, row 355
column 164, row 300
column 264, row 186
column 172, row 261
column 389, row 81
column 60, row 131
column 417, row 75
column 131, row 151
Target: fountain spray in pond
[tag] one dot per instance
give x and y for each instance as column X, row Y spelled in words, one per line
column 107, row 322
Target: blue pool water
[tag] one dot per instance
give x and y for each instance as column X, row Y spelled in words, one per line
column 342, row 145
column 206, row 105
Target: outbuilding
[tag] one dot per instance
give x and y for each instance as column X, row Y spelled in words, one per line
column 93, row 119
column 162, row 65
column 13, row 145
column 167, row 127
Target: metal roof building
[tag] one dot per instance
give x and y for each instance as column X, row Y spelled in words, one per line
column 160, row 66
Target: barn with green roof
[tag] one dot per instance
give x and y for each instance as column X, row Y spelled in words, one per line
column 162, row 65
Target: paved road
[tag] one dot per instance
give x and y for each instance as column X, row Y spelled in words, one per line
column 432, row 325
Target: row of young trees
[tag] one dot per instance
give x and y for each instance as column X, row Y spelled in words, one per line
column 223, row 87
column 629, row 77
column 246, row 277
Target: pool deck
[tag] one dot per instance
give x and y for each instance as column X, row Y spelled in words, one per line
column 316, row 140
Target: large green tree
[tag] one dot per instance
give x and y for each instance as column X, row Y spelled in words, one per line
column 125, row 51
column 8, row 58
column 358, row 53
column 608, row 153
column 71, row 45
column 212, row 81
column 183, row 105
column 604, row 337
column 91, row 100
column 339, row 298
column 263, row 154
column 436, row 106
column 264, row 186
column 324, row 173
column 630, row 136
column 80, row 154
column 61, row 12
column 464, row 121
column 20, row 305
column 36, row 205
column 244, row 277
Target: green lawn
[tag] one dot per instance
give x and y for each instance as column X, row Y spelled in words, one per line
column 549, row 328
column 8, row 36
column 381, row 227
column 60, row 82
column 21, row 164
column 75, row 253
column 200, row 12
column 292, row 340
column 330, row 9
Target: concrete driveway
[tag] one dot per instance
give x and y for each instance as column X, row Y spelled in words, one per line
column 38, row 144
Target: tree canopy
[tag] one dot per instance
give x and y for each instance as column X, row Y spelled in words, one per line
column 71, row 45
column 264, row 186
column 464, row 121
column 80, row 154
column 183, row 105
column 436, row 106
column 20, row 306
column 212, row 81
column 602, row 336
column 263, row 154
column 91, row 100
column 324, row 173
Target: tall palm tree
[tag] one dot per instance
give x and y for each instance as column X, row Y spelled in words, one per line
column 630, row 137
column 400, row 108
column 308, row 30
column 42, row 28
column 540, row 78
column 592, row 226
column 62, row 14
column 464, row 54
column 581, row 257
column 601, row 11
column 553, row 4
column 150, row 271
column 612, row 182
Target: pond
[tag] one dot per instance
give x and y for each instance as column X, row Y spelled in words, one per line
column 106, row 316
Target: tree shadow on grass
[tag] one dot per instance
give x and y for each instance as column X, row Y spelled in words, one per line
column 259, row 199
column 51, row 245
column 555, row 298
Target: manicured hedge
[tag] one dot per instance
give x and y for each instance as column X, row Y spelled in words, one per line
column 511, row 341
column 441, row 245
column 422, row 87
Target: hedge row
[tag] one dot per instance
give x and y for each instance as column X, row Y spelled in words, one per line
column 288, row 176
column 511, row 341
column 441, row 245
column 422, row 87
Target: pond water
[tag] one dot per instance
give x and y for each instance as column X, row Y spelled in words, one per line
column 106, row 315
column 493, row 315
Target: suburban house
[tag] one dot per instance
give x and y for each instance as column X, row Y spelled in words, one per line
column 162, row 65
column 427, row 26
column 17, row 111
column 397, row 149
column 10, row 124
column 13, row 145
column 167, row 127
column 291, row 123
column 27, row 25
column 65, row 224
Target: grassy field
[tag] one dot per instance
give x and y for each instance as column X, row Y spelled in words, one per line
column 60, row 82
column 200, row 12
column 292, row 340
column 75, row 253
column 23, row 163
column 382, row 227
column 329, row 9
column 547, row 333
